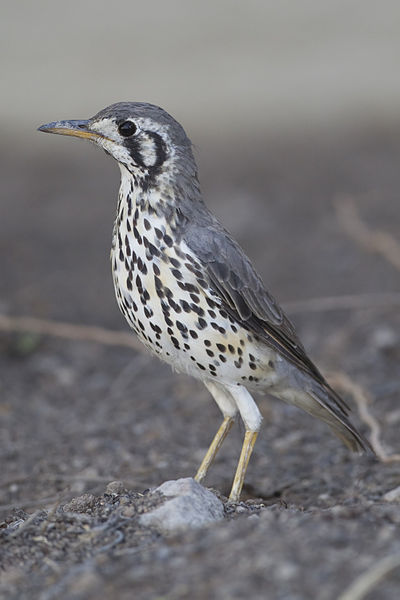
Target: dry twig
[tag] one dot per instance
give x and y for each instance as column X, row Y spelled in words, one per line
column 362, row 400
column 70, row 331
column 373, row 240
column 370, row 579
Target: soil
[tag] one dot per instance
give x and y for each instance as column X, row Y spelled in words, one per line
column 77, row 415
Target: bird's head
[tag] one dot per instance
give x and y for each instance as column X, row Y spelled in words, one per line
column 142, row 137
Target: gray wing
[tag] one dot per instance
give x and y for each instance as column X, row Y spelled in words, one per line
column 243, row 294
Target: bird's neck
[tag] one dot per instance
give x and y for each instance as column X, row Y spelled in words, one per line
column 163, row 196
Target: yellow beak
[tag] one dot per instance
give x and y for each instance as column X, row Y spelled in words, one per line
column 75, row 128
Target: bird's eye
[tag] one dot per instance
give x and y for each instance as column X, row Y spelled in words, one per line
column 127, row 128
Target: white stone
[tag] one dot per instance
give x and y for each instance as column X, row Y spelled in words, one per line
column 189, row 505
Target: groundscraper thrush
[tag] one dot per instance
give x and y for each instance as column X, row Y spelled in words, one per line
column 188, row 290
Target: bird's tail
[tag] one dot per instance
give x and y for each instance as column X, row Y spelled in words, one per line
column 321, row 401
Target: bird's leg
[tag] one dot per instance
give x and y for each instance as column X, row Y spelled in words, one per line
column 252, row 419
column 229, row 409
column 214, row 447
column 247, row 448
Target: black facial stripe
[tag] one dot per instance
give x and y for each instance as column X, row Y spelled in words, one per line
column 161, row 150
column 133, row 144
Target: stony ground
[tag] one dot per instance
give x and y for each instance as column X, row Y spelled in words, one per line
column 77, row 415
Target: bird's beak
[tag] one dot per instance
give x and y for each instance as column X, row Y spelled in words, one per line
column 75, row 128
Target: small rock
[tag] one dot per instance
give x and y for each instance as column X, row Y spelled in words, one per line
column 115, row 488
column 189, row 505
column 80, row 504
column 393, row 495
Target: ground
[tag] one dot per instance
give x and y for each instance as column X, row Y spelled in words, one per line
column 77, row 414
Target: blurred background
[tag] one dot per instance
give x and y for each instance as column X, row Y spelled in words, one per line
column 293, row 109
column 289, row 105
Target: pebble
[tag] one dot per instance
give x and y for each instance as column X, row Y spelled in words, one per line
column 188, row 506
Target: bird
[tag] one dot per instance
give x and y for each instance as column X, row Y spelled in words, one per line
column 188, row 290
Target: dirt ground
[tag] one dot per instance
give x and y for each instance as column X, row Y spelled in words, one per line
column 77, row 415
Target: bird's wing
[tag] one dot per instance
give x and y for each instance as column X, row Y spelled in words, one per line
column 243, row 294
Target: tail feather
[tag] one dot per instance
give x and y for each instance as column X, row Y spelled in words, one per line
column 322, row 402
column 339, row 423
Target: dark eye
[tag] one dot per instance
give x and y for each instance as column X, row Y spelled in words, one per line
column 127, row 128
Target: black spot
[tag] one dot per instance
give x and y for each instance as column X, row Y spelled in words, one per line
column 197, row 309
column 148, row 312
column 271, row 364
column 146, row 224
column 129, row 284
column 137, row 236
column 158, row 233
column 222, row 358
column 201, row 366
column 210, row 302
column 222, row 330
column 138, row 282
column 223, row 314
column 156, row 270
column 210, row 352
column 174, row 305
column 221, row 347
column 234, row 328
column 174, row 262
column 186, row 346
column 240, row 351
column 121, row 255
column 168, row 240
column 193, row 334
column 195, row 298
column 141, row 325
column 201, row 323
column 185, row 306
column 212, row 314
column 253, row 366
column 134, row 257
column 177, row 274
column 155, row 328
column 188, row 287
column 181, row 327
column 202, row 282
column 237, row 364
column 153, row 250
column 212, row 367
column 207, row 343
column 128, row 225
column 231, row 348
column 175, row 342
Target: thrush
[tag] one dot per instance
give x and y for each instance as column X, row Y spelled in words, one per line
column 189, row 291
